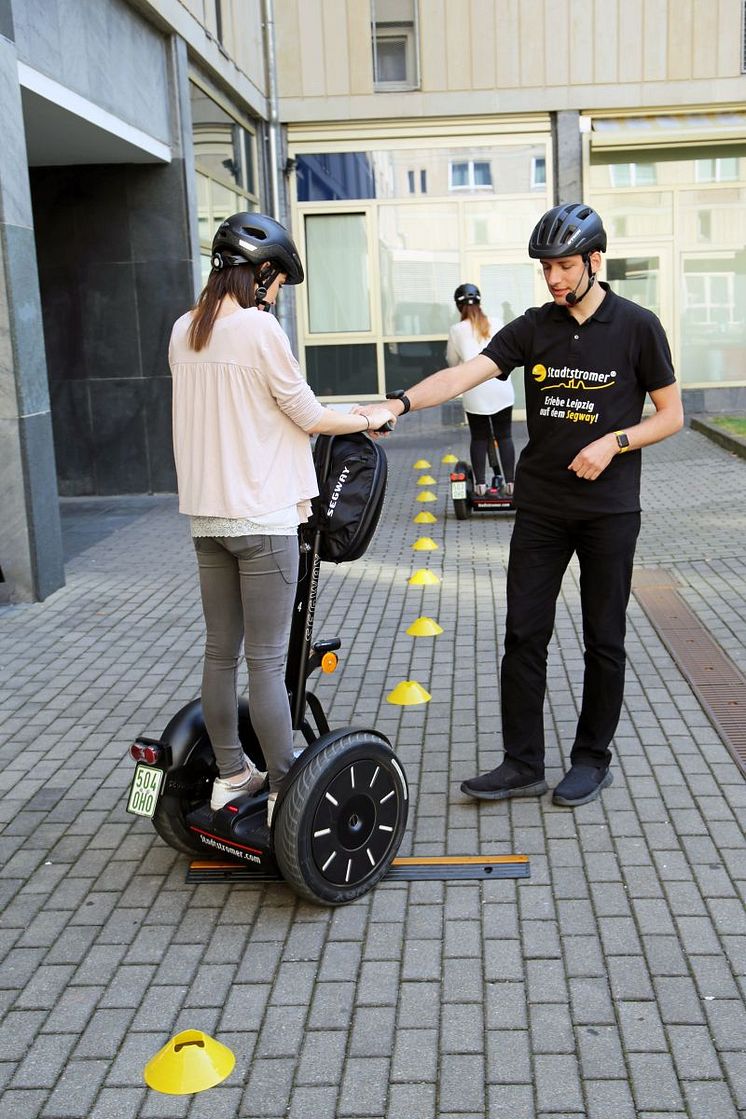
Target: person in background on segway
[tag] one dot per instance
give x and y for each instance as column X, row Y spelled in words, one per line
column 242, row 417
column 590, row 358
column 491, row 401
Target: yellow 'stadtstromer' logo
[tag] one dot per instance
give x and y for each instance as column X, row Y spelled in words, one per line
column 539, row 373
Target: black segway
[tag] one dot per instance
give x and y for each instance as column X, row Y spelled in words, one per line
column 495, row 500
column 341, row 812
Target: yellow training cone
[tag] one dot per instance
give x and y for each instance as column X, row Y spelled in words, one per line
column 424, row 627
column 427, row 480
column 426, row 496
column 408, row 693
column 425, row 544
column 422, row 464
column 190, row 1062
column 423, row 578
column 449, row 458
column 425, row 518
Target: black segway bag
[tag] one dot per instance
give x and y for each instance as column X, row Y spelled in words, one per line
column 352, row 471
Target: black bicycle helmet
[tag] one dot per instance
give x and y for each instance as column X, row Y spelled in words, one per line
column 567, row 230
column 466, row 294
column 256, row 238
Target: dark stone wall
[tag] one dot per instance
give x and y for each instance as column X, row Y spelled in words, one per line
column 115, row 271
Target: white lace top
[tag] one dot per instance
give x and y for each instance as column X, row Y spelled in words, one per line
column 282, row 522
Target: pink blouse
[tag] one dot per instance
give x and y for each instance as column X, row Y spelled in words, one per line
column 241, row 413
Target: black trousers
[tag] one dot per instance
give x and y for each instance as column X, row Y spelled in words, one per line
column 479, row 428
column 540, row 550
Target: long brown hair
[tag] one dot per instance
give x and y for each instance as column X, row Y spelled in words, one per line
column 238, row 281
column 480, row 324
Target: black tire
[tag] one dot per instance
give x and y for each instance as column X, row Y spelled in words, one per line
column 334, row 839
column 462, row 505
column 196, row 777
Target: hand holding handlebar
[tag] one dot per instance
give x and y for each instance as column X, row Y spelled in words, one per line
column 380, row 418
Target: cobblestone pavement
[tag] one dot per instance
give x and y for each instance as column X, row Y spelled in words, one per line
column 608, row 986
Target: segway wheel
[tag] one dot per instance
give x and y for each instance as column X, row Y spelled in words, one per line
column 462, row 508
column 340, row 823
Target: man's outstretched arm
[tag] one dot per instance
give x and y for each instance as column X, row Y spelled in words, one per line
column 442, row 386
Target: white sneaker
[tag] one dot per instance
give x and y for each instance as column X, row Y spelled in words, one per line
column 480, row 489
column 271, row 801
column 223, row 792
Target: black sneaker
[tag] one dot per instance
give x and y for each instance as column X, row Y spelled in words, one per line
column 503, row 782
column 581, row 784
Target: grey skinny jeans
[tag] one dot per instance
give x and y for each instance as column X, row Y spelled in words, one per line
column 248, row 588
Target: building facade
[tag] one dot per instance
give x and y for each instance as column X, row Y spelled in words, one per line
column 410, row 145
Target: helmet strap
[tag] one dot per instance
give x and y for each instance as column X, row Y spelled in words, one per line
column 572, row 299
column 267, row 276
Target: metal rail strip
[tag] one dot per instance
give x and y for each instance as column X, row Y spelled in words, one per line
column 715, row 679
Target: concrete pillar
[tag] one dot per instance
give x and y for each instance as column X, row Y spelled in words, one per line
column 30, row 538
column 568, row 159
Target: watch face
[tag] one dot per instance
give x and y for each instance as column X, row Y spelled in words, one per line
column 622, row 440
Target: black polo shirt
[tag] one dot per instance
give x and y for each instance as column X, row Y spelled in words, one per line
column 582, row 380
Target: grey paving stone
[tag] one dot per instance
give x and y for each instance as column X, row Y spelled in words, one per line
column 462, row 1080
column 629, row 978
column 118, row 1103
column 322, row 1056
column 364, row 1086
column 75, row 1090
column 706, row 1099
column 410, row 1101
column 551, row 1029
column 654, row 1082
column 511, row 1101
column 609, row 1099
column 462, row 1028
column 312, row 1103
column 24, row 1104
column 591, row 1001
column 43, row 1062
column 726, row 1022
column 558, row 1087
column 17, row 1032
column 415, row 1055
column 600, row 1052
column 332, row 1006
column 268, row 1088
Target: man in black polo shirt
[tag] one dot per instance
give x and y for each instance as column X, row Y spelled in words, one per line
column 589, row 358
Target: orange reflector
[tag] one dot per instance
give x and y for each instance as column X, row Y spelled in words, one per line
column 329, row 662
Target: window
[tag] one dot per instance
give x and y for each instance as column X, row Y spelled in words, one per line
column 538, row 173
column 412, row 181
column 337, row 287
column 395, row 45
column 716, row 170
column 224, row 156
column 632, row 174
column 223, row 148
column 472, row 174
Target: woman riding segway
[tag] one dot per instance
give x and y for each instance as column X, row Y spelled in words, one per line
column 242, row 417
column 489, row 406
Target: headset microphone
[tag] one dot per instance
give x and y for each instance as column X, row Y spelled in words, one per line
column 571, row 298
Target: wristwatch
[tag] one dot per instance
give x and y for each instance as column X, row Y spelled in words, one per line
column 399, row 394
column 622, row 441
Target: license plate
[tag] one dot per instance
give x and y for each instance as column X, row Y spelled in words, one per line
column 144, row 790
column 458, row 490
